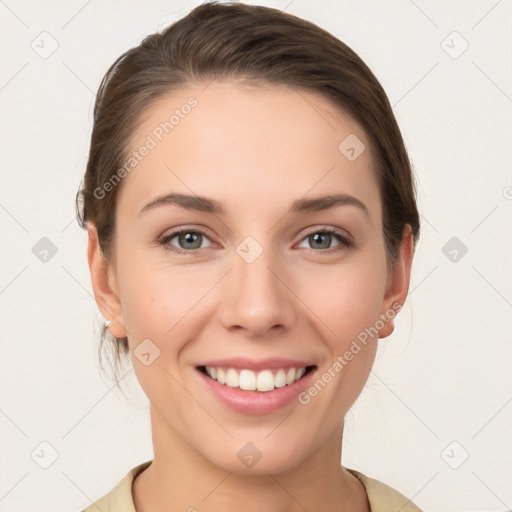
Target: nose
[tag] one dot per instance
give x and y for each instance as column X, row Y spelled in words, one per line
column 257, row 297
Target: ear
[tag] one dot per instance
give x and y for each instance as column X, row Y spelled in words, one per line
column 397, row 285
column 104, row 285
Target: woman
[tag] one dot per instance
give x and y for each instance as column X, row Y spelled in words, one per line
column 251, row 215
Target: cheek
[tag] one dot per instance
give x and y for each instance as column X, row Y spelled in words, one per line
column 163, row 305
column 347, row 298
column 347, row 301
column 159, row 299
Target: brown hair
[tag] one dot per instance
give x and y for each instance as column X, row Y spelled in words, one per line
column 253, row 44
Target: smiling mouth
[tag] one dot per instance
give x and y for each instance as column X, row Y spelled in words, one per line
column 263, row 381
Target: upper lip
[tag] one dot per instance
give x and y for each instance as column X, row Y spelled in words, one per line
column 256, row 364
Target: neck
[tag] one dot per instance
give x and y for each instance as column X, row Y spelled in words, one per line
column 181, row 478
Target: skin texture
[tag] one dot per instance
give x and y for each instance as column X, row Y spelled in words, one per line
column 255, row 150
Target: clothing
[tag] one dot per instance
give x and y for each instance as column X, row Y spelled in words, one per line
column 382, row 498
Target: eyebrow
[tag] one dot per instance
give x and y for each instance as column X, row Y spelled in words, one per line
column 207, row 205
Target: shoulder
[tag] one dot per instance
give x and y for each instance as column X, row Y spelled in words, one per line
column 383, row 498
column 119, row 499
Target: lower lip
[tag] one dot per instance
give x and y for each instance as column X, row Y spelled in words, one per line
column 257, row 402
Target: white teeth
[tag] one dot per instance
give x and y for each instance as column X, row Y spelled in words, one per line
column 290, row 376
column 248, row 380
column 280, row 379
column 265, row 381
column 232, row 379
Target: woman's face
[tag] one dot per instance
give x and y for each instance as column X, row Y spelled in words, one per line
column 258, row 284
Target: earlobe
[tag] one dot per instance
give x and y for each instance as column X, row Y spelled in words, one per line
column 398, row 283
column 104, row 285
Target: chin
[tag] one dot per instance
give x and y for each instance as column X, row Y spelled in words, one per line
column 247, row 459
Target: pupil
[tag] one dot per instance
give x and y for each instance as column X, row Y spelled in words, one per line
column 325, row 236
column 190, row 238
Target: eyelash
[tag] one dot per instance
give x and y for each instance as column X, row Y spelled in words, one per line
column 345, row 243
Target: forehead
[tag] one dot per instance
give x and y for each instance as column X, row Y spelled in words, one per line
column 222, row 137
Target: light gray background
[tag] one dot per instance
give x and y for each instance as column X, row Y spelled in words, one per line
column 444, row 376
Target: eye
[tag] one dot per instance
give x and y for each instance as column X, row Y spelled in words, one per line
column 321, row 239
column 189, row 240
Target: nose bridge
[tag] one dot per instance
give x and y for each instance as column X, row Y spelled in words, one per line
column 255, row 297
